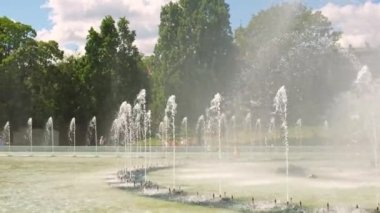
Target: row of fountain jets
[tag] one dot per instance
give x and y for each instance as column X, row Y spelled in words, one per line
column 133, row 124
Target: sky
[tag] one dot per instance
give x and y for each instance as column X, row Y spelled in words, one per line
column 68, row 21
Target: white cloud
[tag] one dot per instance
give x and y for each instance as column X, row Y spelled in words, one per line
column 360, row 23
column 71, row 20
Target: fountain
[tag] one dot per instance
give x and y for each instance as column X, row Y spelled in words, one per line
column 208, row 129
column 200, row 129
column 248, row 127
column 115, row 135
column 272, row 128
column 166, row 134
column 123, row 124
column 216, row 115
column 280, row 105
column 136, row 112
column 363, row 78
column 161, row 135
column 234, row 137
column 299, row 130
column 224, row 126
column 130, row 132
column 146, row 129
column 92, row 133
column 49, row 133
column 170, row 111
column 149, row 124
column 215, row 109
column 7, row 135
column 122, row 127
column 140, row 99
column 367, row 90
column 71, row 134
column 326, row 125
column 184, row 129
column 29, row 133
column 258, row 131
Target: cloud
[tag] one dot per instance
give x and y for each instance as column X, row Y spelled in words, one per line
column 360, row 23
column 71, row 20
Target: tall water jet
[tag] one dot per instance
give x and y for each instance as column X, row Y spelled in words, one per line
column 363, row 78
column 7, row 135
column 272, row 128
column 149, row 124
column 49, row 133
column 115, row 134
column 208, row 129
column 92, row 133
column 146, row 129
column 166, row 134
column 137, row 115
column 161, row 134
column 130, row 132
column 224, row 126
column 351, row 56
column 280, row 105
column 248, row 127
column 140, row 99
column 216, row 114
column 184, row 130
column 234, row 137
column 121, row 130
column 170, row 111
column 299, row 131
column 122, row 124
column 71, row 134
column 122, row 119
column 200, row 129
column 29, row 133
column 326, row 125
column 258, row 131
column 368, row 91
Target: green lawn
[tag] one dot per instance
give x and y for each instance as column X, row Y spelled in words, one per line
column 78, row 184
column 67, row 184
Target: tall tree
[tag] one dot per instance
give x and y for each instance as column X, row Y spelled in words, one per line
column 289, row 44
column 27, row 68
column 114, row 68
column 193, row 56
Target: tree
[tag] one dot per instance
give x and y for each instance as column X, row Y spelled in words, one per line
column 193, row 56
column 73, row 98
column 114, row 69
column 291, row 45
column 27, row 68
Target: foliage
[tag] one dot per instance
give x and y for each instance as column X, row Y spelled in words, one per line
column 37, row 81
column 194, row 55
column 291, row 45
column 27, row 68
column 113, row 68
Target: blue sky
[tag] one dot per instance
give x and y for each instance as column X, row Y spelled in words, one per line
column 29, row 12
column 32, row 12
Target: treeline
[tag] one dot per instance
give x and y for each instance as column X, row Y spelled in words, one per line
column 196, row 55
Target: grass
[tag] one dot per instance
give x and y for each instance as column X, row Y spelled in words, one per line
column 66, row 184
column 54, row 184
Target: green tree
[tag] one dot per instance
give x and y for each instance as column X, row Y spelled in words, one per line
column 27, row 70
column 114, row 69
column 291, row 45
column 193, row 56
